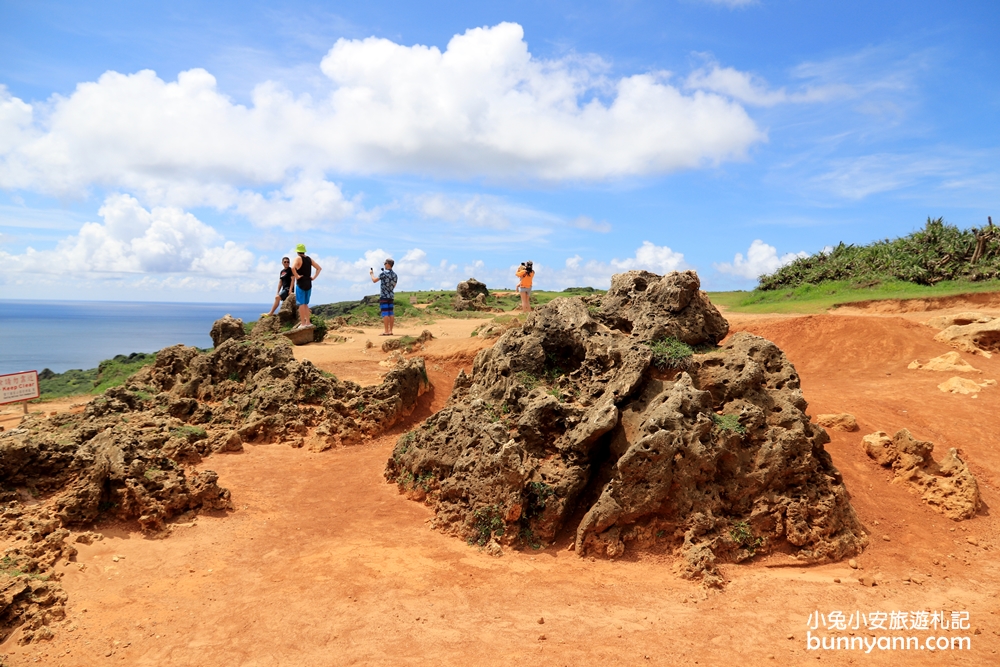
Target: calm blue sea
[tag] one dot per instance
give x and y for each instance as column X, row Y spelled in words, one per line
column 80, row 334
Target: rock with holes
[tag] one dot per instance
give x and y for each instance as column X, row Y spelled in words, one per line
column 227, row 328
column 947, row 486
column 587, row 419
column 976, row 337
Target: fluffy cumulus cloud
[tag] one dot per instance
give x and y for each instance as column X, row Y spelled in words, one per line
column 134, row 240
column 481, row 107
column 305, row 203
column 760, row 260
column 593, row 273
column 412, row 267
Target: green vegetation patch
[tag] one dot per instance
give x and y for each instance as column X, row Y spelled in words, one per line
column 670, row 353
column 936, row 253
column 729, row 423
column 109, row 373
column 487, row 522
column 742, row 534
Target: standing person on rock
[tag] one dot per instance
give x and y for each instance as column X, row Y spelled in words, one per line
column 526, row 273
column 304, row 277
column 386, row 297
column 284, row 284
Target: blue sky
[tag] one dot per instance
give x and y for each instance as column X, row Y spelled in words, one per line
column 175, row 151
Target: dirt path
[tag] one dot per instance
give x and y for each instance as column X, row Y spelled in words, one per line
column 323, row 563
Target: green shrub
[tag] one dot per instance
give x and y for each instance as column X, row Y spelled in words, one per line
column 729, row 423
column 936, row 253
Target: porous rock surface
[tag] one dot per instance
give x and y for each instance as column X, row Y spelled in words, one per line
column 471, row 295
column 226, row 328
column 948, row 487
column 976, row 337
column 129, row 455
column 567, row 424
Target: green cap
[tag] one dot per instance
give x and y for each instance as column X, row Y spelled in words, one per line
column 300, row 247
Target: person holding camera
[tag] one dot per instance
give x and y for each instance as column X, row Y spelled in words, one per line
column 386, row 295
column 526, row 273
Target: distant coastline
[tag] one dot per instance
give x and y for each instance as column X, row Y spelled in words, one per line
column 64, row 335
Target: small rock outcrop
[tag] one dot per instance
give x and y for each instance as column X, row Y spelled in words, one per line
column 227, row 328
column 842, row 421
column 948, row 487
column 587, row 419
column 947, row 362
column 471, row 295
column 965, row 386
column 976, row 338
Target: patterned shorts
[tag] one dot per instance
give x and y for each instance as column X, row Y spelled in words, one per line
column 386, row 306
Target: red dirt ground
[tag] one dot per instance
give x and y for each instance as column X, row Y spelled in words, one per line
column 323, row 563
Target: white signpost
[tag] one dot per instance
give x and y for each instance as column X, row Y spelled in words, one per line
column 16, row 387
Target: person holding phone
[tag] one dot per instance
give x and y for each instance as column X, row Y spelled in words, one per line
column 386, row 297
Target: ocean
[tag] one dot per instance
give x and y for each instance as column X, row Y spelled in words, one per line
column 61, row 335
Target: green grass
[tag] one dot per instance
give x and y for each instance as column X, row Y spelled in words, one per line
column 109, row 373
column 670, row 353
column 729, row 423
column 809, row 298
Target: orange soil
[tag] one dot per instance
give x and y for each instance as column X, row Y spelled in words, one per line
column 323, row 563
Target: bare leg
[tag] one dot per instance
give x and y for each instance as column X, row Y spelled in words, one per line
column 277, row 302
column 392, row 321
column 303, row 315
column 525, row 306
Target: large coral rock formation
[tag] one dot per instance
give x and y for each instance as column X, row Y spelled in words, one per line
column 566, row 423
column 948, row 487
column 128, row 456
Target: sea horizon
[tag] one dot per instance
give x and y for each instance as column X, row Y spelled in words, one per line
column 69, row 334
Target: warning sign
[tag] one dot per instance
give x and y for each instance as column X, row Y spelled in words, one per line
column 18, row 387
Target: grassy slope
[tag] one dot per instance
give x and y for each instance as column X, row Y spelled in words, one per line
column 819, row 298
column 110, row 373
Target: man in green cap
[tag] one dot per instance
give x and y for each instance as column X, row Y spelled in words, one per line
column 302, row 272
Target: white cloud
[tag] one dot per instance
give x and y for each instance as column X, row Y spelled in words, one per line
column 761, row 259
column 133, row 239
column 476, row 211
column 753, row 90
column 304, row 203
column 482, row 107
column 594, row 273
column 585, row 222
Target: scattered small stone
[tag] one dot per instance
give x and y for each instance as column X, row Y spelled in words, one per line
column 867, row 580
column 853, row 564
column 886, row 538
column 542, row 638
column 541, row 621
column 973, row 541
column 836, row 580
column 791, row 636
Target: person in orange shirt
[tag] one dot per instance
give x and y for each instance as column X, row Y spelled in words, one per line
column 526, row 273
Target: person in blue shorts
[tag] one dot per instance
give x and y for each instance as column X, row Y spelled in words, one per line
column 302, row 272
column 386, row 297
